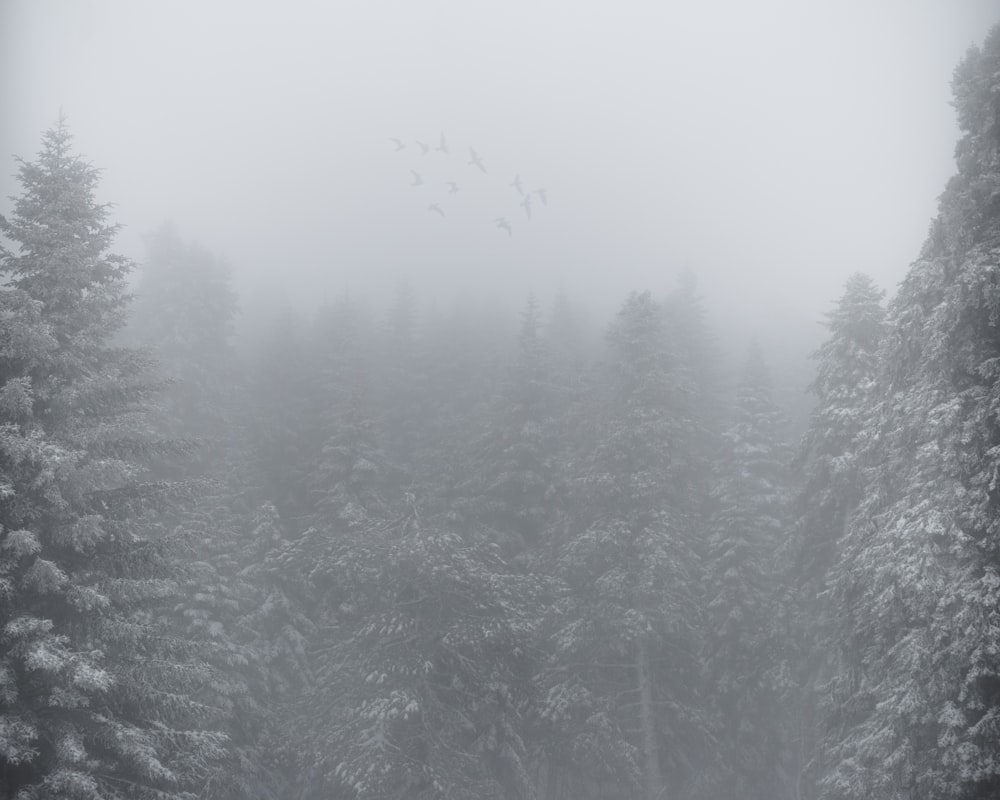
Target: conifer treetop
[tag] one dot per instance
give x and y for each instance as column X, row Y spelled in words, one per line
column 62, row 237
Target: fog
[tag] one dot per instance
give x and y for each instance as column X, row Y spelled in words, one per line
column 411, row 462
column 772, row 147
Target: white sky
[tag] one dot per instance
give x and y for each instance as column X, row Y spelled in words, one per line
column 773, row 146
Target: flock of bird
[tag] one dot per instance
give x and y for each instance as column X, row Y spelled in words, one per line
column 475, row 161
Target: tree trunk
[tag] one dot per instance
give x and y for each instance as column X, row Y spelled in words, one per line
column 655, row 789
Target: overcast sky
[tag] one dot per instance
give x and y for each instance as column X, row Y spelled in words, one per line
column 773, row 147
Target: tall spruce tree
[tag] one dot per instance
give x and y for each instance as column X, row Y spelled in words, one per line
column 916, row 711
column 844, row 389
column 423, row 680
column 420, row 655
column 621, row 686
column 95, row 692
column 513, row 481
column 747, row 533
column 829, row 465
column 185, row 314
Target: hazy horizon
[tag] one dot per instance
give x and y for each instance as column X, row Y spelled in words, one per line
column 773, row 149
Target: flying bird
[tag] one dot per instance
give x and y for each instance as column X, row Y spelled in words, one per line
column 443, row 146
column 516, row 183
column 452, row 187
column 476, row 160
column 526, row 205
column 503, row 223
column 417, row 180
column 435, row 207
column 543, row 193
column 398, row 142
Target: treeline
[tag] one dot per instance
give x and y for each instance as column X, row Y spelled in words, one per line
column 398, row 555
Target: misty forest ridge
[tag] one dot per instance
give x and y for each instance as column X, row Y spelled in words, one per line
column 425, row 546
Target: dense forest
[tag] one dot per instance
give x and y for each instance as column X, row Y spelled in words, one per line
column 399, row 553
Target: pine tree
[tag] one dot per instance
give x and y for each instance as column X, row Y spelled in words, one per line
column 185, row 315
column 747, row 534
column 422, row 665
column 844, row 389
column 513, row 483
column 916, row 708
column 95, row 691
column 621, row 686
column 830, row 469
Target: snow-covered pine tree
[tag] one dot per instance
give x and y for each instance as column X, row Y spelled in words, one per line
column 95, row 691
column 620, row 688
column 185, row 315
column 349, row 473
column 274, row 631
column 513, row 484
column 746, row 535
column 423, row 668
column 916, row 709
column 828, row 460
column 828, row 463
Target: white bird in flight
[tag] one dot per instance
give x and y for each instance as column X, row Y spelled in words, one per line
column 526, row 204
column 417, row 180
column 476, row 160
column 435, row 207
column 503, row 223
column 516, row 183
column 453, row 187
column 398, row 142
column 425, row 148
column 443, row 146
column 542, row 193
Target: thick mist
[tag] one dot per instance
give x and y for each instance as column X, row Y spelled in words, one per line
column 437, row 423
column 772, row 148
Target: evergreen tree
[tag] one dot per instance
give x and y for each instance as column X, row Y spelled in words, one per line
column 513, row 484
column 621, row 688
column 747, row 530
column 830, row 470
column 916, row 709
column 422, row 668
column 95, row 691
column 844, row 389
column 186, row 314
